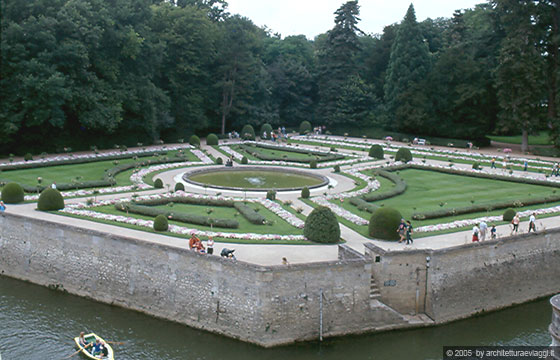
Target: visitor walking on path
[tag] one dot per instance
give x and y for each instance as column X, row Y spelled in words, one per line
column 525, row 165
column 409, row 233
column 483, row 227
column 2, row 208
column 515, row 223
column 493, row 163
column 401, row 230
column 210, row 246
column 532, row 224
column 493, row 232
column 475, row 232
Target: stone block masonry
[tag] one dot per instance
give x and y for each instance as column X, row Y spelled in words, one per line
column 262, row 305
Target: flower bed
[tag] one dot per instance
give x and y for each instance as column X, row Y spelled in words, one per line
column 84, row 210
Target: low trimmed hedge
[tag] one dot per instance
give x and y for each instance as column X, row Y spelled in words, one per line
column 181, row 216
column 187, row 200
column 322, row 157
column 363, row 205
column 400, row 187
column 250, row 214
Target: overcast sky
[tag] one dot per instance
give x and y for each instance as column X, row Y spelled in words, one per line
column 313, row 17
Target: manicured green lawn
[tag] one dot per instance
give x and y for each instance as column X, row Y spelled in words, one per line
column 279, row 226
column 85, row 172
column 428, row 190
column 251, row 179
column 542, row 138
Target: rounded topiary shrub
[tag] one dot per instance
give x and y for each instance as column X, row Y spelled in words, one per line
column 248, row 133
column 305, row 193
column 322, row 226
column 271, row 195
column 384, row 223
column 158, row 183
column 12, row 193
column 476, row 166
column 161, row 223
column 194, row 141
column 219, row 161
column 179, row 187
column 28, row 157
column 313, row 164
column 509, row 214
column 304, row 127
column 403, row 155
column 376, row 151
column 212, row 139
column 244, row 160
column 50, row 200
column 266, row 129
column 336, row 168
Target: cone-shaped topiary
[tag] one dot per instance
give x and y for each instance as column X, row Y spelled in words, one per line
column 194, row 141
column 304, row 127
column 12, row 193
column 305, row 193
column 248, row 133
column 158, row 183
column 313, row 164
column 509, row 214
column 384, row 223
column 212, row 139
column 50, row 200
column 376, row 151
column 266, row 129
column 161, row 223
column 322, row 226
column 244, row 160
column 179, row 187
column 403, row 155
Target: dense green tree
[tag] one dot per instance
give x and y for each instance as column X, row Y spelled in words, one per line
column 408, row 67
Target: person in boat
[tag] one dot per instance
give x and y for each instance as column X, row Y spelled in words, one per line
column 82, row 340
column 97, row 348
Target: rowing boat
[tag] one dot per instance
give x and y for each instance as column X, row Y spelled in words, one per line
column 90, row 339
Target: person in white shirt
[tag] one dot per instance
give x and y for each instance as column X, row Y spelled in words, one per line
column 210, row 246
column 483, row 226
column 532, row 221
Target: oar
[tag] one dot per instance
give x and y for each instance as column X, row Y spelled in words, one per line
column 80, row 349
column 115, row 342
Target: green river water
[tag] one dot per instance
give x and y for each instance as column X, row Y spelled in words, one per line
column 38, row 323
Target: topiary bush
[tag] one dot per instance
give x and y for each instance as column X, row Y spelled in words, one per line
column 322, row 226
column 12, row 193
column 194, row 141
column 336, row 168
column 384, row 223
column 304, row 127
column 271, row 195
column 266, row 129
column 161, row 223
column 313, row 164
column 28, row 157
column 376, row 151
column 219, row 161
column 476, row 166
column 212, row 139
column 50, row 200
column 509, row 214
column 158, row 183
column 179, row 187
column 305, row 193
column 244, row 160
column 403, row 155
column 248, row 133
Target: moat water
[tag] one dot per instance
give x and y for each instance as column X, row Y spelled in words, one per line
column 38, row 323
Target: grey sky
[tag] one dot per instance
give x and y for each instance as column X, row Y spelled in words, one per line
column 313, row 17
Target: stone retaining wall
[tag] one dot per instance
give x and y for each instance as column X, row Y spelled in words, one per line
column 555, row 324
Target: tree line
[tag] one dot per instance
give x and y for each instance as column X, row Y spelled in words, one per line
column 102, row 72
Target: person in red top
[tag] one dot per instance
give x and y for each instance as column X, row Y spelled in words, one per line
column 192, row 242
